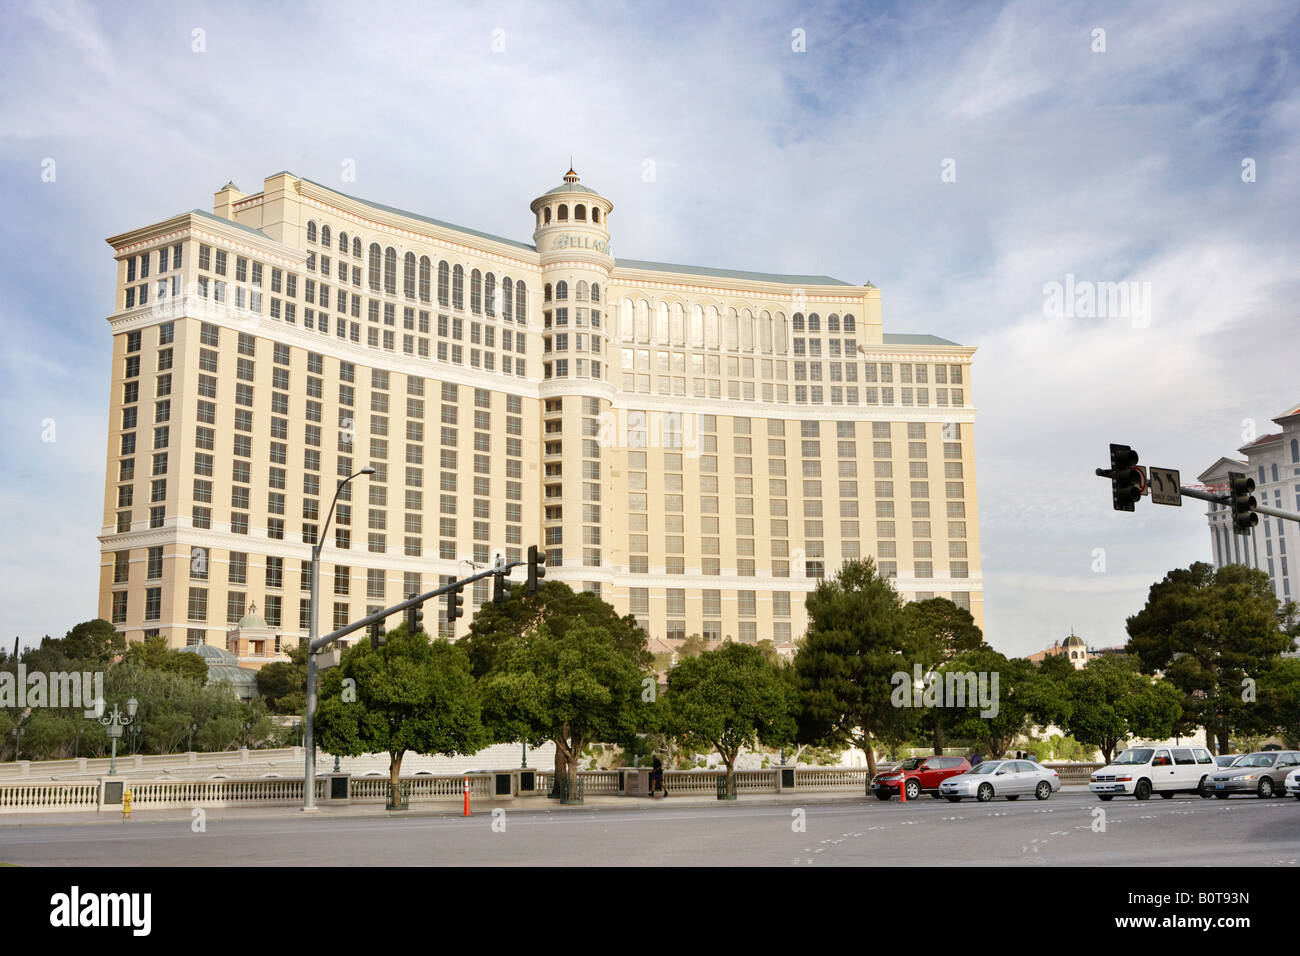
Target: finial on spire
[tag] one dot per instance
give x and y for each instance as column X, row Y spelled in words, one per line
column 570, row 176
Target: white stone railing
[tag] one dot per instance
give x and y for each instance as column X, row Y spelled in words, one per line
column 831, row 778
column 423, row 787
column 49, row 796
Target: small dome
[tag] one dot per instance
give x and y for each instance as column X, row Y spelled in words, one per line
column 1074, row 641
column 213, row 655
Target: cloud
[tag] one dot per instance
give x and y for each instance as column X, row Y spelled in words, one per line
column 720, row 145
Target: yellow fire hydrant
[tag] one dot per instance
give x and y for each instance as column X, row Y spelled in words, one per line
column 126, row 805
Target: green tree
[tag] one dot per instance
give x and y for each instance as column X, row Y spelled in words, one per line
column 284, row 683
column 1279, row 699
column 411, row 694
column 497, row 629
column 857, row 639
column 97, row 642
column 573, row 688
column 1111, row 701
column 729, row 699
column 1022, row 697
column 943, row 631
column 693, row 646
column 154, row 654
column 1208, row 630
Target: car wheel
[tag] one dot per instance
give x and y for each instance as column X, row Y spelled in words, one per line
column 985, row 792
column 1221, row 796
column 913, row 790
column 1203, row 788
column 1106, row 797
column 1166, row 795
column 883, row 794
column 937, row 796
column 958, row 799
column 1266, row 788
column 1013, row 796
column 1143, row 790
column 1043, row 790
column 1297, row 796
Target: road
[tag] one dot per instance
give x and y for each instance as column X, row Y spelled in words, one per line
column 1183, row 832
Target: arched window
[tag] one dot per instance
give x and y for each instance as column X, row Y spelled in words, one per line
column 747, row 330
column 458, row 288
column 798, row 321
column 731, row 330
column 595, row 214
column 356, row 247
column 1261, row 474
column 697, row 327
column 426, row 270
column 561, row 290
column 343, row 243
column 642, row 320
column 711, row 328
column 325, row 236
column 661, row 323
column 765, row 332
column 595, row 292
column 408, row 275
column 580, row 212
column 850, row 324
column 521, row 302
column 490, row 295
column 580, row 290
column 677, row 325
column 626, row 320
column 546, row 216
column 390, row 270
column 546, row 292
column 832, row 323
column 444, row 283
column 563, row 214
column 476, row 292
column 311, row 230
column 507, row 299
column 1275, row 471
column 814, row 322
column 1295, row 451
column 782, row 333
column 376, row 264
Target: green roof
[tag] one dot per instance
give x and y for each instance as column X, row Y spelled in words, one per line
column 436, row 222
column 909, row 338
column 728, row 273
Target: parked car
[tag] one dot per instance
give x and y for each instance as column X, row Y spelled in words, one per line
column 1142, row 771
column 1002, row 778
column 1224, row 761
column 1293, row 783
column 1262, row 773
column 918, row 775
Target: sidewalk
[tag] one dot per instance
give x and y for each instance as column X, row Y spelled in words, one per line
column 448, row 808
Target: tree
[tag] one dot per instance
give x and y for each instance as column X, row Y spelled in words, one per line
column 693, row 646
column 1279, row 698
column 583, row 685
column 728, row 699
column 1111, row 701
column 857, row 640
column 497, row 629
column 411, row 694
column 153, row 653
column 95, row 641
column 1022, row 697
column 945, row 631
column 1208, row 630
column 284, row 683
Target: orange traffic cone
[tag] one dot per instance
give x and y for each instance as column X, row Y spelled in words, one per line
column 466, row 797
column 902, row 790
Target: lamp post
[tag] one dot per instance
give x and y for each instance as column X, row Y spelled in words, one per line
column 309, row 737
column 115, row 722
column 189, row 745
column 18, row 740
column 524, row 765
column 247, row 725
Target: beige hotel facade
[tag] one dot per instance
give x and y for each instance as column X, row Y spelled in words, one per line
column 697, row 445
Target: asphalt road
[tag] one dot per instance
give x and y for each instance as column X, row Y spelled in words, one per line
column 1184, row 832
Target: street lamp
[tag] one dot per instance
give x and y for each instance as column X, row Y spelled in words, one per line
column 247, row 725
column 189, row 745
column 18, row 740
column 309, row 737
column 115, row 722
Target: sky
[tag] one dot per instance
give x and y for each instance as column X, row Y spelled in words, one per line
column 963, row 157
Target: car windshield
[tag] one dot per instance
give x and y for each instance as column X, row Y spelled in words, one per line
column 1136, row 755
column 988, row 766
column 911, row 763
column 1256, row 760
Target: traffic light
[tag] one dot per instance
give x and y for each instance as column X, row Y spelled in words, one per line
column 1242, row 501
column 536, row 567
column 377, row 639
column 1125, row 479
column 499, row 589
column 414, row 617
column 455, row 605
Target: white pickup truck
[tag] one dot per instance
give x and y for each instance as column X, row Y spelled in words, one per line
column 1142, row 771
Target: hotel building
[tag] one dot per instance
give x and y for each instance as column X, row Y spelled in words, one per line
column 697, row 445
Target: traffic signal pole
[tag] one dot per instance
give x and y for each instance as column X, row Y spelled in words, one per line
column 1227, row 500
column 320, row 643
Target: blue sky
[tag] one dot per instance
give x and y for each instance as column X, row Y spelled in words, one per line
column 1115, row 166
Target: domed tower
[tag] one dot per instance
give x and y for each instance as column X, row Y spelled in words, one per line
column 572, row 237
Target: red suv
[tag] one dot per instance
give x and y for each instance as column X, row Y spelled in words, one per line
column 917, row 775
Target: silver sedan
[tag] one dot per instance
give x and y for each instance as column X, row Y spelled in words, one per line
column 1001, row 778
